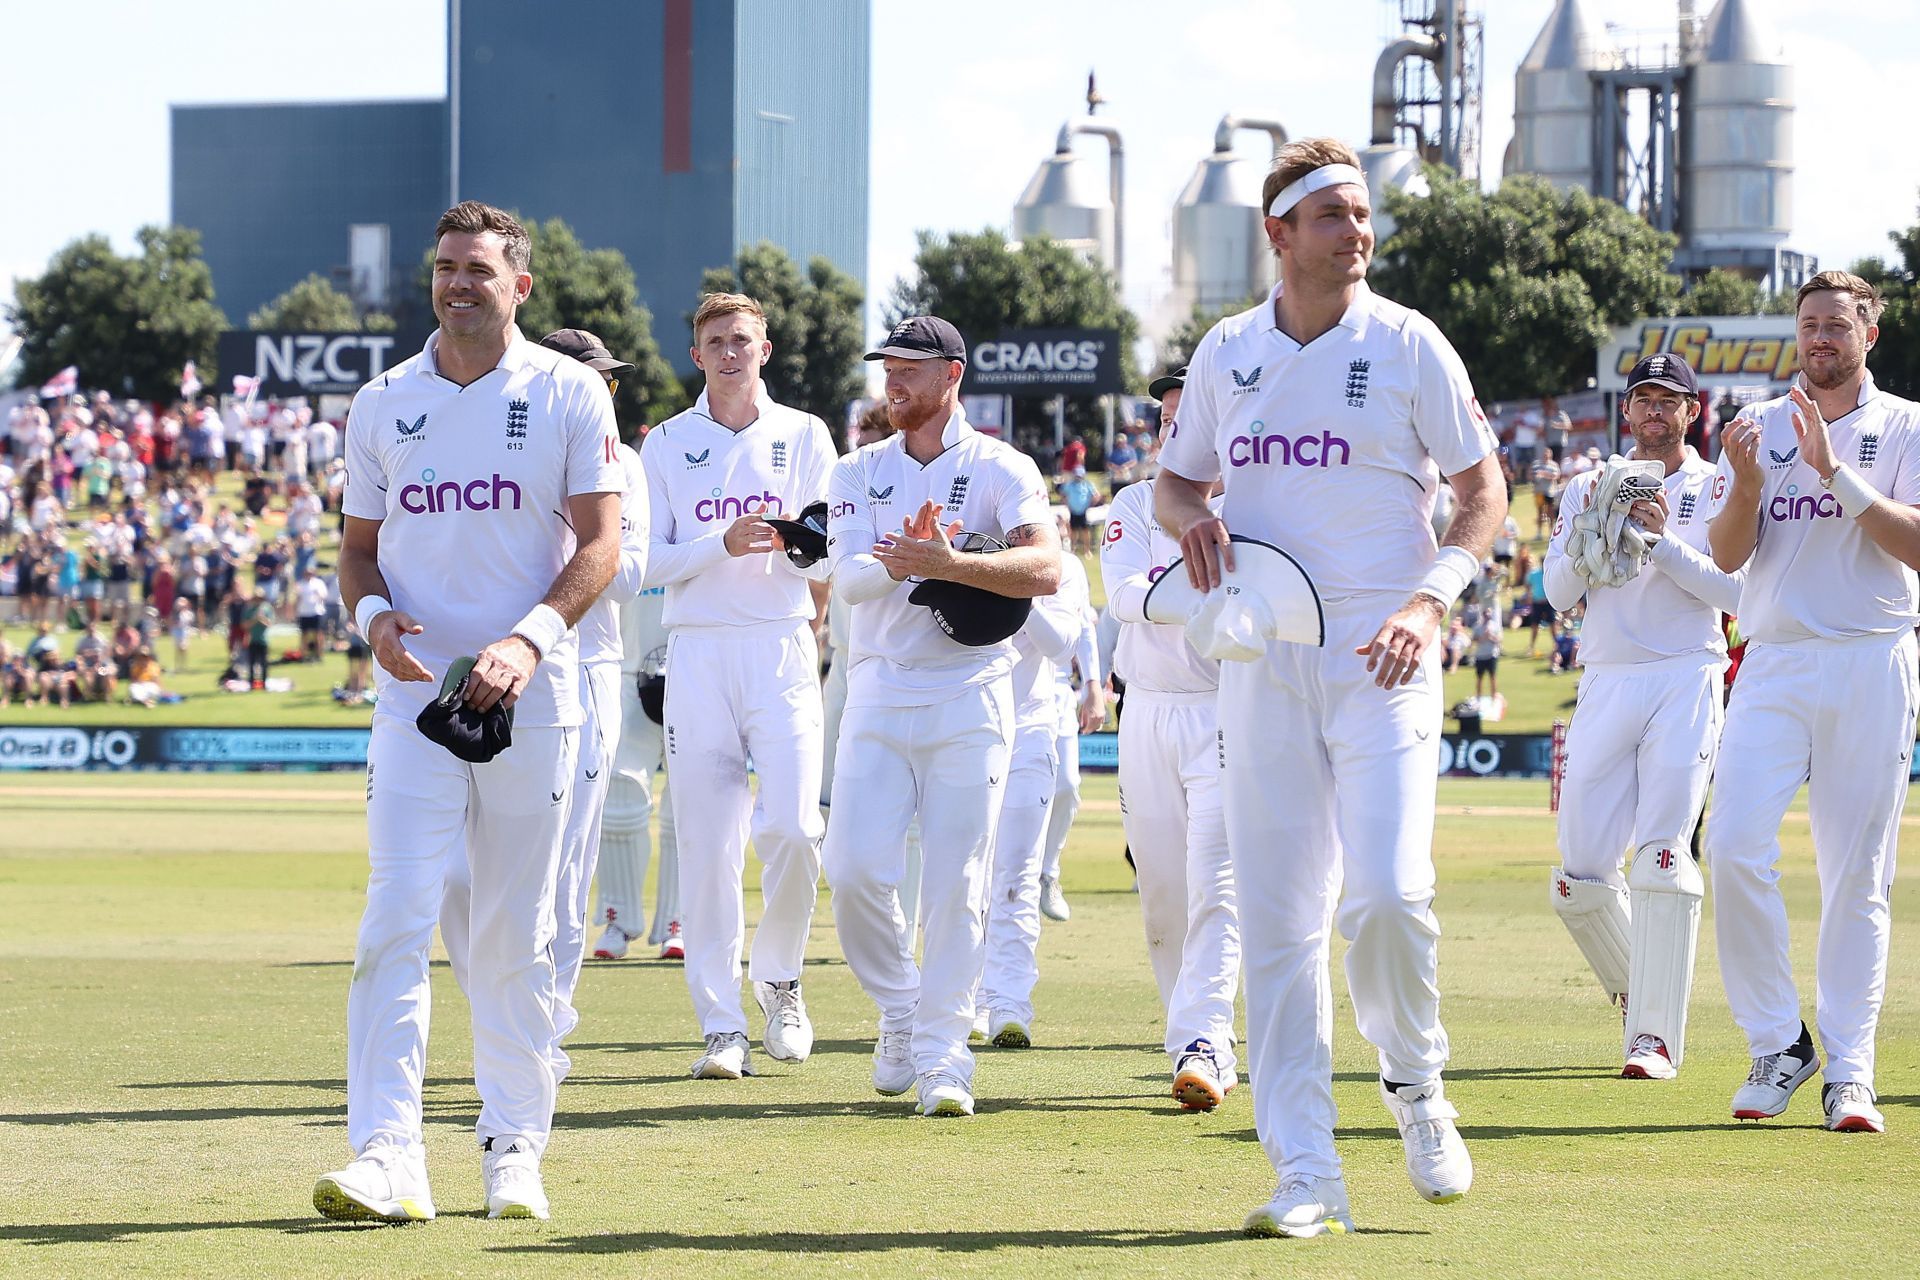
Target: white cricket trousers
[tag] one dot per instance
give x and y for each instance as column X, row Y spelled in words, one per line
column 1639, row 758
column 833, row 694
column 625, row 845
column 947, row 763
column 1170, row 807
column 1013, row 912
column 1066, row 800
column 580, row 843
column 736, row 692
column 1328, row 783
column 423, row 803
column 1838, row 715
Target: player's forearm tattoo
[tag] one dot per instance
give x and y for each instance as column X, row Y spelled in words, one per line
column 1024, row 535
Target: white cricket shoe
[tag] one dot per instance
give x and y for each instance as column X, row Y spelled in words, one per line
column 673, row 948
column 789, row 1031
column 943, row 1095
column 893, row 1071
column 1437, row 1161
column 1302, row 1208
column 728, row 1057
column 1770, row 1085
column 1648, row 1060
column 1053, row 903
column 1849, row 1107
column 511, row 1173
column 382, row 1184
column 612, row 944
column 1198, row 1082
column 1004, row 1031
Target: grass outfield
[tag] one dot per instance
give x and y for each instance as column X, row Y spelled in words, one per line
column 173, row 974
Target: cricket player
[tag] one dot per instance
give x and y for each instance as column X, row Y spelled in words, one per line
column 929, row 721
column 744, row 680
column 1081, row 711
column 625, row 843
column 1044, row 642
column 1170, row 796
column 1641, row 747
column 1815, row 495
column 1331, row 415
column 473, row 468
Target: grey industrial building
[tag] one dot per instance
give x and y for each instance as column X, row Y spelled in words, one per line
column 676, row 131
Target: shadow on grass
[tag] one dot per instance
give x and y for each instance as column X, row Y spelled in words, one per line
column 122, row 1232
column 1500, row 1133
column 860, row 1242
column 860, row 1048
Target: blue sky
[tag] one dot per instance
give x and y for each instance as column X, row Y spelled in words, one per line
column 84, row 147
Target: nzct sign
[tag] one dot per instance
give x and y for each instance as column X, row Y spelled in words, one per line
column 1045, row 362
column 304, row 364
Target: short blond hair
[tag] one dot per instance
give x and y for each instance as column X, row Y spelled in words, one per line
column 716, row 305
column 1866, row 299
column 1298, row 159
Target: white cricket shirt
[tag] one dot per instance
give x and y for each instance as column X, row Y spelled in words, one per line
column 1672, row 607
column 1044, row 649
column 1814, row 574
column 701, row 477
column 1134, row 552
column 600, row 627
column 899, row 655
column 472, row 486
column 1331, row 451
column 643, row 633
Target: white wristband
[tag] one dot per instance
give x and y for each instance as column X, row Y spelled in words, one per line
column 542, row 628
column 1851, row 491
column 1451, row 572
column 369, row 608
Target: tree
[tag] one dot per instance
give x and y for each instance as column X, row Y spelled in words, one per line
column 813, row 321
column 129, row 323
column 1176, row 349
column 1724, row 293
column 593, row 289
column 1895, row 360
column 1527, row 282
column 316, row 306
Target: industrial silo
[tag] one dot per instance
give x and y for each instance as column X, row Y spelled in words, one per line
column 1069, row 204
column 1737, row 177
column 1220, row 252
column 1555, row 130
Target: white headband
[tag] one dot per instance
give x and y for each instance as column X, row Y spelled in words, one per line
column 1327, row 175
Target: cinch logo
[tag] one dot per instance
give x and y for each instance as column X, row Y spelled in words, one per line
column 1794, row 505
column 429, row 496
column 721, row 507
column 839, row 509
column 1285, row 451
column 1246, row 382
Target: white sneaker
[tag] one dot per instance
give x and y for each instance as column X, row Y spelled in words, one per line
column 1198, row 1082
column 1004, row 1031
column 1648, row 1060
column 382, row 1184
column 789, row 1031
column 612, row 944
column 1302, row 1208
column 977, row 1033
column 1849, row 1107
column 1770, row 1085
column 1437, row 1161
column 943, row 1095
column 1053, row 903
column 893, row 1071
column 728, row 1057
column 511, row 1173
column 673, row 948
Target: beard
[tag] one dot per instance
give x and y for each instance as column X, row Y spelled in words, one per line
column 1843, row 370
column 914, row 412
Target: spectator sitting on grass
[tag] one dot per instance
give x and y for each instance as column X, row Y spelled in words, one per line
column 143, row 684
column 93, row 666
column 1566, row 647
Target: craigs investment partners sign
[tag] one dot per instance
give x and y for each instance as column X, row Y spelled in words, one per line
column 1723, row 350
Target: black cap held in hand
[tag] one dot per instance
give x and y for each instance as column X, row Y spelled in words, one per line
column 806, row 538
column 473, row 736
column 971, row 615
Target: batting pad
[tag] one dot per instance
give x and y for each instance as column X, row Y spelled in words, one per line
column 1291, row 609
column 1596, row 915
column 1666, row 888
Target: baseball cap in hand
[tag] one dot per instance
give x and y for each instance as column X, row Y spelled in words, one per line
column 473, row 736
column 922, row 338
column 586, row 348
column 1266, row 596
column 806, row 538
column 970, row 615
column 1667, row 371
